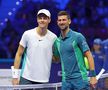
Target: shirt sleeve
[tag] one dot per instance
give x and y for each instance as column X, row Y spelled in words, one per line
column 82, row 43
column 23, row 40
column 55, row 49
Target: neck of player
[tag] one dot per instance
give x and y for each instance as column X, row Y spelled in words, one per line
column 41, row 31
column 64, row 32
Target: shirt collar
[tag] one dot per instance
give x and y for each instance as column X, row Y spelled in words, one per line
column 67, row 35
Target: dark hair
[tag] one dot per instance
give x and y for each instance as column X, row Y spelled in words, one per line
column 42, row 15
column 61, row 13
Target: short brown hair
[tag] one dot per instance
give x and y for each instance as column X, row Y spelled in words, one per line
column 64, row 13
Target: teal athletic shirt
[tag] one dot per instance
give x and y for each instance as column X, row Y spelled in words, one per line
column 70, row 50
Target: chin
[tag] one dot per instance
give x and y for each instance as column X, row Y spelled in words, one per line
column 42, row 26
column 63, row 29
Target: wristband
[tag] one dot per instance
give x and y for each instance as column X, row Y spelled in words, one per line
column 15, row 72
column 92, row 73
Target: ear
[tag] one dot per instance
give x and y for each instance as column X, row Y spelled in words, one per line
column 57, row 21
column 69, row 21
column 49, row 20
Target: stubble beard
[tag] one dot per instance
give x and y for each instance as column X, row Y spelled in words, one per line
column 64, row 29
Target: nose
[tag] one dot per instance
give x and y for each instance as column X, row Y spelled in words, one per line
column 42, row 19
column 61, row 22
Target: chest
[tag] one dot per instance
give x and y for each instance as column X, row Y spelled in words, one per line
column 36, row 42
column 67, row 45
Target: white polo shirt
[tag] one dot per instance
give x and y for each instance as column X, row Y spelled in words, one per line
column 38, row 55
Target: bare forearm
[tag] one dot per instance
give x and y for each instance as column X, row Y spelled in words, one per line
column 90, row 60
column 17, row 61
column 18, row 57
column 92, row 73
column 15, row 69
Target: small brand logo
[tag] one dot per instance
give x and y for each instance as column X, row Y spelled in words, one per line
column 40, row 40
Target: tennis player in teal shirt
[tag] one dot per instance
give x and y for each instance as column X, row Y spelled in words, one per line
column 71, row 47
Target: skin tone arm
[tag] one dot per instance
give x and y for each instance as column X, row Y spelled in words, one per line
column 18, row 56
column 55, row 59
column 90, row 59
column 93, row 80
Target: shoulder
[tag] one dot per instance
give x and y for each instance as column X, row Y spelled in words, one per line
column 77, row 34
column 28, row 32
column 51, row 34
